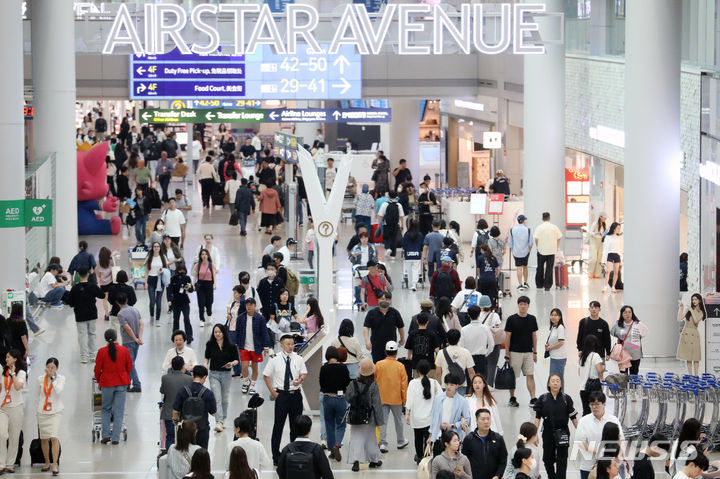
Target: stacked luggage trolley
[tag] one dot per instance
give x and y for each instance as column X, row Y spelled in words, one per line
column 666, row 401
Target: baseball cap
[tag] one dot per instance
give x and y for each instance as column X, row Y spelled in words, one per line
column 521, row 218
column 290, row 241
column 391, row 346
column 446, row 259
column 603, row 214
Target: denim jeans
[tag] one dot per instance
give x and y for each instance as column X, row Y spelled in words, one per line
column 353, row 369
column 220, row 382
column 140, row 223
column 113, row 405
column 311, row 258
column 155, row 293
column 335, row 408
column 164, row 182
column 133, row 348
column 557, row 366
column 54, row 295
column 242, row 221
column 86, row 339
column 299, row 208
column 29, row 318
column 169, row 433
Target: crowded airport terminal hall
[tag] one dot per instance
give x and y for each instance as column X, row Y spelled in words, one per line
column 319, row 239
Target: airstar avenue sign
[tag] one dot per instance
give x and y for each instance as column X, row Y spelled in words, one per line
column 513, row 27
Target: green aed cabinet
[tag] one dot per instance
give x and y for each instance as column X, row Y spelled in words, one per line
column 25, row 213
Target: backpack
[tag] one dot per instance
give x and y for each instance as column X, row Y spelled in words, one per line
column 444, row 287
column 300, row 464
column 194, row 407
column 482, row 238
column 360, row 408
column 293, row 283
column 453, row 367
column 392, row 213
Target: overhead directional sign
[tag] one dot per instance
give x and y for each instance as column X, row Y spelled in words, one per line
column 262, row 75
column 276, row 115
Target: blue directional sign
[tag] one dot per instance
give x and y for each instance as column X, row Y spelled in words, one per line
column 261, row 75
column 278, row 6
column 372, row 6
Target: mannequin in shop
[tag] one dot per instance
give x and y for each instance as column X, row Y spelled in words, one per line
column 689, row 347
column 594, row 240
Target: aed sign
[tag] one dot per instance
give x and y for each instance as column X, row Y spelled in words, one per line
column 167, row 26
column 25, row 213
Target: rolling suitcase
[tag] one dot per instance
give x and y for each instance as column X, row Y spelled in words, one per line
column 218, row 195
column 561, row 276
column 373, row 238
column 154, row 198
column 504, row 284
column 619, row 285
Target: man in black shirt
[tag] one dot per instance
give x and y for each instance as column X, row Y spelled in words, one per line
column 269, row 290
column 402, row 174
column 197, row 389
column 485, row 449
column 82, row 299
column 434, row 324
column 596, row 326
column 290, row 462
column 247, row 150
column 384, row 322
column 521, row 346
column 355, row 240
column 422, row 344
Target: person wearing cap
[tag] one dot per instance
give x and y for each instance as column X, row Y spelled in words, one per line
column 501, row 184
column 434, row 323
column 595, row 241
column 287, row 251
column 372, row 285
column 547, row 239
column 364, row 209
column 445, row 282
column 521, row 347
column 363, row 446
column 284, row 375
column 392, row 381
column 384, row 322
column 520, row 241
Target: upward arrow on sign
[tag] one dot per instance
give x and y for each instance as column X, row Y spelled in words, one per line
column 341, row 62
column 336, row 114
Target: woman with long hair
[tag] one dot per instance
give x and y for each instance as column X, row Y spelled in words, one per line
column 120, row 286
column 12, row 411
column 334, row 379
column 481, row 398
column 594, row 239
column 158, row 231
column 629, row 332
column 591, row 370
column 523, row 460
column 556, row 432
column 412, row 245
column 612, row 256
column 205, row 276
column 180, row 454
column 488, row 270
column 686, row 445
column 103, row 273
column 448, row 318
column 451, row 459
column 49, row 413
column 17, row 327
column 313, row 317
column 220, row 357
column 555, row 344
column 238, row 467
column 112, row 373
column 527, row 439
column 363, row 446
column 346, row 339
column 154, row 266
column 689, row 347
column 174, row 257
column 421, row 393
column 200, row 465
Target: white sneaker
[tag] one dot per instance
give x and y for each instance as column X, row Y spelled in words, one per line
column 525, row 285
column 202, row 324
column 413, row 288
column 604, row 290
column 520, row 287
column 252, row 389
column 384, row 448
column 219, row 427
column 39, row 332
column 209, row 317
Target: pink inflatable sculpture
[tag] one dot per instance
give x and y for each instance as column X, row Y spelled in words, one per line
column 92, row 192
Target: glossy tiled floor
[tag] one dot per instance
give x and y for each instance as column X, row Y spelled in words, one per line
column 136, row 458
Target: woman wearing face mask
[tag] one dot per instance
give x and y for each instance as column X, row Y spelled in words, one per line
column 244, row 280
column 425, row 201
column 157, row 234
column 529, row 439
column 523, row 460
column 451, row 458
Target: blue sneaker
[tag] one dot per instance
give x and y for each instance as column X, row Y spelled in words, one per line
column 58, row 305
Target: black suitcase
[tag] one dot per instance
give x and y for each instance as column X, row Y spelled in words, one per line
column 218, row 195
column 36, row 455
column 154, row 198
column 619, row 285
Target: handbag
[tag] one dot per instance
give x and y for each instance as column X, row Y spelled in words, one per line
column 424, row 465
column 592, row 384
column 561, row 436
column 618, row 353
column 505, row 377
column 498, row 333
column 233, row 220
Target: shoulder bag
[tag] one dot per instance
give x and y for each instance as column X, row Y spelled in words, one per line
column 498, row 333
column 561, row 436
column 618, row 353
column 346, row 348
column 591, row 384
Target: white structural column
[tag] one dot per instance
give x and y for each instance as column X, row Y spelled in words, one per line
column 53, row 74
column 12, row 168
column 652, row 167
column 404, row 138
column 544, row 127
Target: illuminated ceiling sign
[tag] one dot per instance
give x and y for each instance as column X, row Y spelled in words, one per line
column 513, row 28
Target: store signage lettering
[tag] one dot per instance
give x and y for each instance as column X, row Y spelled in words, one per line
column 512, row 23
column 572, row 174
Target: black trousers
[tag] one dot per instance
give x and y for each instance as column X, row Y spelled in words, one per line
column 290, row 406
column 204, row 291
column 183, row 309
column 390, row 235
column 480, row 366
column 554, row 457
column 544, row 272
column 421, row 436
column 202, row 437
column 206, row 188
column 634, row 367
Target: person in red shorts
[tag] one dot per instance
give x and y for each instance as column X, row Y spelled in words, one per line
column 252, row 338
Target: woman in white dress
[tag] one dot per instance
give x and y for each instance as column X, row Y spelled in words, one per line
column 49, row 413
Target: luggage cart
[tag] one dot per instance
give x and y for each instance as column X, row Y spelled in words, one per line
column 358, row 273
column 97, row 414
column 137, row 256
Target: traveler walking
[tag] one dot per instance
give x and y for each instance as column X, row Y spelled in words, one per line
column 253, row 340
column 346, row 339
column 629, row 332
column 590, row 372
column 451, row 459
column 612, row 256
column 179, row 300
column 49, row 413
column 180, row 454
column 174, row 223
column 432, row 246
column 193, row 404
column 104, row 276
column 392, row 218
column 477, row 337
column 469, row 296
column 425, row 200
column 82, row 299
column 485, row 449
column 421, row 394
column 450, row 412
column 555, row 344
column 547, row 239
column 595, row 241
column 480, row 237
column 412, row 245
column 456, row 359
column 488, row 270
column 270, row 207
column 364, row 415
column 588, row 435
column 422, row 344
column 385, row 323
column 253, row 450
column 244, row 205
column 520, row 242
column 372, row 286
column 141, row 213
column 521, row 347
column 220, row 357
column 120, row 286
column 172, row 382
column 393, row 382
column 313, row 465
column 205, row 274
column 163, row 173
column 555, row 409
column 155, row 267
column 480, row 397
column 180, row 348
column 529, row 436
column 207, row 176
column 445, row 282
column 132, row 326
column 82, row 260
column 112, row 373
column 364, row 208
column 596, row 326
column 334, row 379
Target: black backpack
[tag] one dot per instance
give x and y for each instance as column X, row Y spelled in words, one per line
column 360, row 407
column 444, row 287
column 453, row 367
column 482, row 238
column 392, row 213
column 300, row 464
column 194, row 407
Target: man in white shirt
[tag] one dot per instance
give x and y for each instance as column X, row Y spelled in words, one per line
column 477, row 338
column 174, row 223
column 256, row 141
column 285, row 250
column 693, row 467
column 51, row 290
column 254, row 450
column 275, row 246
column 589, row 432
column 330, row 174
column 284, row 374
column 196, row 149
column 393, row 223
column 547, row 240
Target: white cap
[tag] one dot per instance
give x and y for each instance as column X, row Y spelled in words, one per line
column 391, row 346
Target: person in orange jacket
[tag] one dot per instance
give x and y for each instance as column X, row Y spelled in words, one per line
column 392, row 380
